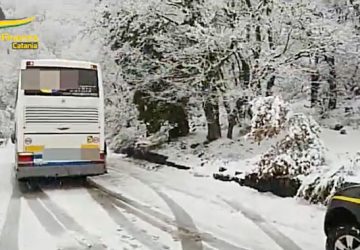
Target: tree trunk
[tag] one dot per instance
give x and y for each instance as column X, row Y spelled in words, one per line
column 244, row 70
column 315, row 85
column 211, row 108
column 270, row 84
column 231, row 116
column 232, row 123
column 332, row 83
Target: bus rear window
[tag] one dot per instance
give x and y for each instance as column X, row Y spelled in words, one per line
column 60, row 82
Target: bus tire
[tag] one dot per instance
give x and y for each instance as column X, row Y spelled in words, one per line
column 13, row 139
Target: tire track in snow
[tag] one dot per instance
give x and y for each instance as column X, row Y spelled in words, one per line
column 179, row 190
column 108, row 205
column 32, row 193
column 69, row 222
column 188, row 233
column 49, row 223
column 10, row 231
column 188, row 241
column 281, row 239
column 210, row 239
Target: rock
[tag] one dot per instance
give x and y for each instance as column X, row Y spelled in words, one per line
column 183, row 146
column 343, row 132
column 195, row 145
column 151, row 157
column 338, row 127
column 206, row 143
column 222, row 177
column 175, row 165
column 283, row 187
column 201, row 154
column 349, row 110
column 238, row 172
column 222, row 169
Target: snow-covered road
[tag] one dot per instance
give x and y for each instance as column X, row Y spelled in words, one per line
column 137, row 207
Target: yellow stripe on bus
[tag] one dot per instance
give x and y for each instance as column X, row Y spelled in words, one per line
column 34, row 148
column 90, row 146
column 348, row 199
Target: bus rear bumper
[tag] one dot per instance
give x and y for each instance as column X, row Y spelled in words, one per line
column 23, row 172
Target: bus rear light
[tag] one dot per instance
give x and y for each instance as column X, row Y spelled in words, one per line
column 25, row 158
column 102, row 156
column 30, row 63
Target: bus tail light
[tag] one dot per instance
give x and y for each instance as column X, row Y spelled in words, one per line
column 25, row 159
column 29, row 63
column 102, row 156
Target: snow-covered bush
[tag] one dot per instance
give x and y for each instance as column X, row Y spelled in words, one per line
column 301, row 147
column 297, row 153
column 126, row 137
column 155, row 139
column 135, row 137
column 269, row 115
column 320, row 185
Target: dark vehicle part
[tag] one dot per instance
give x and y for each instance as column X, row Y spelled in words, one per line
column 13, row 139
column 342, row 226
column 347, row 238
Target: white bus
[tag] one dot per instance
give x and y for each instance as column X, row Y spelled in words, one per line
column 59, row 119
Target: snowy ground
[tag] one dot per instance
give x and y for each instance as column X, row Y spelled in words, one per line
column 224, row 215
column 241, row 155
column 155, row 209
column 70, row 216
column 139, row 205
column 162, row 209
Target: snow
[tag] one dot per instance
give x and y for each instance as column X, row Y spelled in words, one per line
column 6, row 183
column 197, row 195
column 60, row 26
column 106, row 230
column 218, row 209
column 70, row 217
column 30, row 231
column 269, row 117
column 238, row 215
column 329, row 152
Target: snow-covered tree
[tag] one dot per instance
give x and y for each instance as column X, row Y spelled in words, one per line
column 204, row 48
column 298, row 150
column 298, row 153
column 269, row 117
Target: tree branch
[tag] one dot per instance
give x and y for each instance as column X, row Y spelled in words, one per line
column 286, row 45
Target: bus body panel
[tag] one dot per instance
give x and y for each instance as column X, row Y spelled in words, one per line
column 56, row 147
column 61, row 171
column 60, row 135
